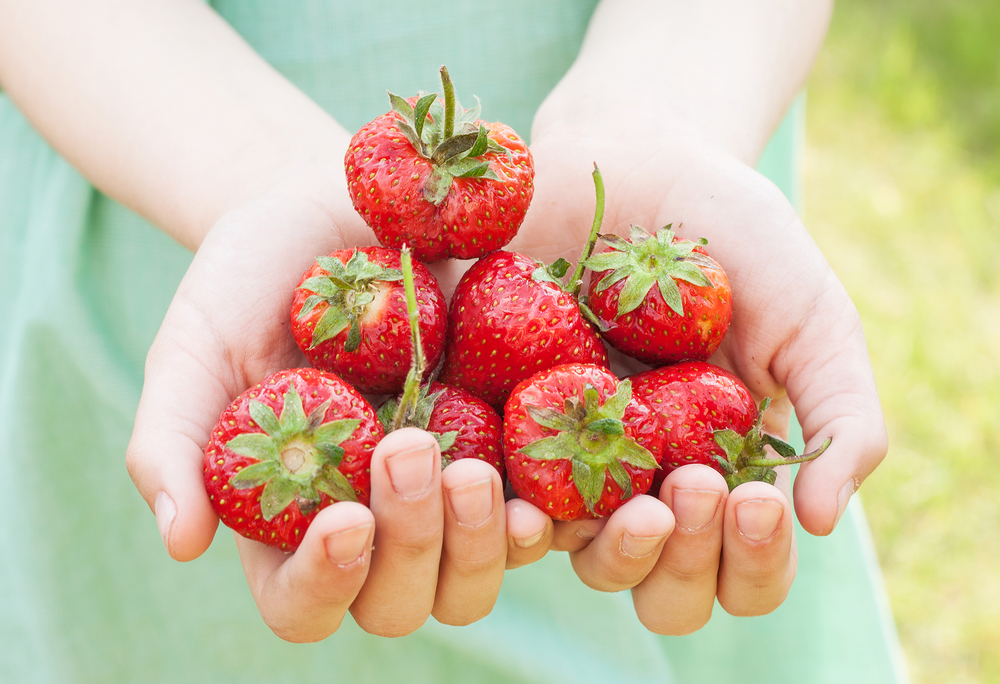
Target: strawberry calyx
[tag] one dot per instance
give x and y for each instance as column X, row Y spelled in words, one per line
column 645, row 260
column 746, row 459
column 591, row 435
column 447, row 135
column 296, row 456
column 413, row 408
column 349, row 290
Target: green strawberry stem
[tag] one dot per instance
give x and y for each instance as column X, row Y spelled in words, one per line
column 774, row 462
column 576, row 282
column 449, row 102
column 414, row 406
column 411, row 388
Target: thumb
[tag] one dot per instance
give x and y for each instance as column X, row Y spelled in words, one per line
column 830, row 382
column 165, row 453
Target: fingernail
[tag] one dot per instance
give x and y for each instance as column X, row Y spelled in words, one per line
column 638, row 547
column 528, row 542
column 347, row 547
column 472, row 504
column 757, row 519
column 165, row 511
column 843, row 498
column 590, row 529
column 695, row 509
column 412, row 471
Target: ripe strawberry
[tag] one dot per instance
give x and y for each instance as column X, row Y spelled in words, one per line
column 710, row 417
column 285, row 449
column 433, row 175
column 464, row 425
column 683, row 318
column 511, row 317
column 349, row 317
column 578, row 443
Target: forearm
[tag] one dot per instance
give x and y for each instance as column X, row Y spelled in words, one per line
column 724, row 69
column 161, row 105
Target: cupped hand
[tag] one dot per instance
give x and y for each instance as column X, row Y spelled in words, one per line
column 432, row 542
column 795, row 337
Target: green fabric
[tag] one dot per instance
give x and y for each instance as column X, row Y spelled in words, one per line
column 87, row 593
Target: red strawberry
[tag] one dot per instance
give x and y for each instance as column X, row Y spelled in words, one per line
column 435, row 176
column 285, row 449
column 511, row 317
column 683, row 318
column 710, row 417
column 349, row 317
column 465, row 426
column 577, row 442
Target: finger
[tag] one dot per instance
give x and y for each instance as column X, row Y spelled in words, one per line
column 475, row 543
column 529, row 533
column 830, row 382
column 303, row 597
column 758, row 550
column 626, row 548
column 406, row 501
column 164, row 455
column 678, row 595
column 575, row 535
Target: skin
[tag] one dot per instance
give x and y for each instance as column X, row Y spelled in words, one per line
column 235, row 163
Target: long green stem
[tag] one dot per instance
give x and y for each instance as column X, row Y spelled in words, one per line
column 411, row 389
column 775, row 462
column 449, row 103
column 576, row 282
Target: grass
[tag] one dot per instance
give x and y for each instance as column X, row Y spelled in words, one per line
column 902, row 192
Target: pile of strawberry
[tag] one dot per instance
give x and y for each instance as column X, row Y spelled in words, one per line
column 513, row 371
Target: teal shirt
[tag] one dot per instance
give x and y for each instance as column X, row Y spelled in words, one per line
column 87, row 593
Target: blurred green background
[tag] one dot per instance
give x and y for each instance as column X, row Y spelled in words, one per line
column 902, row 192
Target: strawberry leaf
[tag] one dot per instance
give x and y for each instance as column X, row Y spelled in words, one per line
column 335, row 432
column 634, row 291
column 620, row 476
column 633, row 453
column 293, row 416
column 257, row 474
column 551, row 419
column 589, row 482
column 671, row 295
column 335, row 484
column 263, row 415
column 731, row 442
column 278, row 493
column 445, row 440
column 420, row 113
column 607, row 426
column 333, row 322
column 551, row 448
column 254, row 445
column 784, row 449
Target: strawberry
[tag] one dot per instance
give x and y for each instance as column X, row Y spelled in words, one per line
column 710, row 417
column 349, row 317
column 285, row 449
column 684, row 317
column 578, row 443
column 511, row 317
column 464, row 425
column 433, row 175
